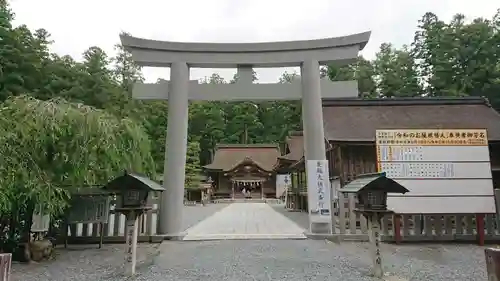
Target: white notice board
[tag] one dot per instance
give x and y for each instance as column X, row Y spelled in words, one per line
column 446, row 171
column 283, row 183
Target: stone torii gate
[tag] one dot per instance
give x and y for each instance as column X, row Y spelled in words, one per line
column 180, row 56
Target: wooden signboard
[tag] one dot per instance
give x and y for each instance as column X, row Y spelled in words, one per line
column 446, row 171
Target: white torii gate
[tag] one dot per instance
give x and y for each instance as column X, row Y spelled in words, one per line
column 180, row 56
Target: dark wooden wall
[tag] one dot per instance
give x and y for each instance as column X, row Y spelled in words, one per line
column 350, row 160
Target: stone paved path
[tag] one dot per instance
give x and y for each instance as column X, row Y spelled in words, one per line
column 246, row 221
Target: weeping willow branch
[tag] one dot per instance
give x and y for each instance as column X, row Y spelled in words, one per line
column 49, row 144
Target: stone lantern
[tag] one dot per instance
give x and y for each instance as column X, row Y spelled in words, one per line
column 132, row 191
column 371, row 191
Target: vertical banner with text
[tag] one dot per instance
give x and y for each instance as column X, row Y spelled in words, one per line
column 318, row 191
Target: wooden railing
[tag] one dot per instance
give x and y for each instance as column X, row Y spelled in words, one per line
column 348, row 225
column 440, row 227
column 114, row 230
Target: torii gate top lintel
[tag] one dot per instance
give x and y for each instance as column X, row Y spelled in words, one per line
column 341, row 50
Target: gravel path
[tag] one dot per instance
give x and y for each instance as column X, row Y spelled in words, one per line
column 310, row 260
column 87, row 262
column 242, row 260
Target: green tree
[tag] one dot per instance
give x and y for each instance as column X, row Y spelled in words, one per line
column 50, row 146
column 289, row 77
column 396, row 72
column 19, row 65
column 193, row 164
column 362, row 71
column 459, row 57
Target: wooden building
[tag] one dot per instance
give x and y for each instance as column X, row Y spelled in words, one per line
column 244, row 171
column 350, row 126
column 293, row 163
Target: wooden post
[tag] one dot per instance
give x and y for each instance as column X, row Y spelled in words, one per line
column 5, row 265
column 262, row 190
column 131, row 238
column 340, row 165
column 397, row 228
column 65, row 234
column 374, row 238
column 480, row 229
column 101, row 232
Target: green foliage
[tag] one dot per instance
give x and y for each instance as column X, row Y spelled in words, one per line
column 49, row 144
column 397, row 75
column 47, row 147
column 79, row 125
column 445, row 59
column 193, row 164
column 459, row 58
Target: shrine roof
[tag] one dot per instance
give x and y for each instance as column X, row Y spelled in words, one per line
column 133, row 181
column 356, row 120
column 376, row 181
column 229, row 156
column 295, row 143
column 90, row 191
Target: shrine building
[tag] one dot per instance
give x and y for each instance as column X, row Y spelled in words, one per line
column 350, row 126
column 244, row 171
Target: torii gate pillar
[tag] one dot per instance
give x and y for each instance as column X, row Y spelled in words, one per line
column 312, row 112
column 174, row 170
column 179, row 56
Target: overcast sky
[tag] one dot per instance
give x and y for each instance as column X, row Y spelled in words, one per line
column 76, row 25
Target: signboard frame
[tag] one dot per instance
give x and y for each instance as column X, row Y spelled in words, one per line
column 431, row 156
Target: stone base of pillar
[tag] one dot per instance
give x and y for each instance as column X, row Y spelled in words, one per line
column 5, row 266
column 172, row 237
column 319, row 236
column 493, row 263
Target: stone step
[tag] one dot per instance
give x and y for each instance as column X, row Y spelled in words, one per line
column 248, row 200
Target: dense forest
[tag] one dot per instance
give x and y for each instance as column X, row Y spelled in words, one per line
column 66, row 122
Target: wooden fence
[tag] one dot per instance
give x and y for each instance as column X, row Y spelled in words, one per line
column 114, row 230
column 348, row 225
column 416, row 228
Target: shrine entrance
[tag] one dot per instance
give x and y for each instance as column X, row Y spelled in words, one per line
column 182, row 56
column 244, row 171
column 248, row 181
column 247, row 188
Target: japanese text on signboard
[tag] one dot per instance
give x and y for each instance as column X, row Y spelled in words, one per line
column 432, row 137
column 320, row 184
